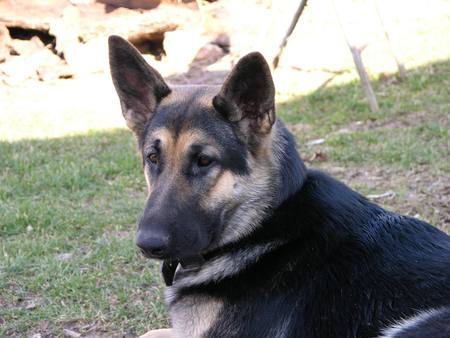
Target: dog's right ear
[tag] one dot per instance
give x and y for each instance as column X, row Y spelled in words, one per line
column 139, row 86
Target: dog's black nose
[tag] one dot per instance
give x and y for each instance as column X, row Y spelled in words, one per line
column 154, row 246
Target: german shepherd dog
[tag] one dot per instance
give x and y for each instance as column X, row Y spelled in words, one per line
column 253, row 243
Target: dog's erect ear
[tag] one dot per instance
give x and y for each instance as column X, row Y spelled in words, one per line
column 248, row 95
column 139, row 86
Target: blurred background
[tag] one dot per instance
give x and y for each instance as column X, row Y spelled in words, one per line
column 71, row 187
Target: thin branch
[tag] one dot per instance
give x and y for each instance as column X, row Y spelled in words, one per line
column 356, row 54
column 373, row 104
column 400, row 66
column 294, row 21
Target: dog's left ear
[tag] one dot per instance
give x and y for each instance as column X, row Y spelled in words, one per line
column 248, row 96
column 139, row 86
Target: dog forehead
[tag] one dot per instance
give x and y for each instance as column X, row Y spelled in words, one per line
column 187, row 108
column 186, row 104
column 196, row 94
column 176, row 143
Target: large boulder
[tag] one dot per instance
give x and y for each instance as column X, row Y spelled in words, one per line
column 5, row 39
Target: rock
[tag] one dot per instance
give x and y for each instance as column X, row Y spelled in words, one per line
column 223, row 41
column 20, row 68
column 81, row 2
column 54, row 71
column 30, row 14
column 133, row 4
column 66, row 30
column 82, row 58
column 181, row 47
column 80, row 28
column 209, row 54
column 4, row 42
column 149, row 43
column 90, row 57
column 26, row 47
column 93, row 19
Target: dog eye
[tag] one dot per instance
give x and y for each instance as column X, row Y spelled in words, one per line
column 204, row 161
column 153, row 157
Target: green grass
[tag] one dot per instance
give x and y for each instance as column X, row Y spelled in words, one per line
column 68, row 211
column 411, row 127
column 404, row 147
column 68, row 205
column 426, row 89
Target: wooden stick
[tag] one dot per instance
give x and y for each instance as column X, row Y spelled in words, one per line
column 365, row 82
column 291, row 28
column 400, row 66
column 356, row 54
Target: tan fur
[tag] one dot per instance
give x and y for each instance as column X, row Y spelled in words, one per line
column 192, row 316
column 166, row 138
column 185, row 140
column 223, row 187
column 173, row 149
column 161, row 333
column 133, row 120
column 147, row 179
column 181, row 92
column 247, row 192
column 265, row 151
column 178, row 94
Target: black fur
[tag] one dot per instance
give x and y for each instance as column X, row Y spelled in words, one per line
column 348, row 268
column 293, row 170
column 248, row 92
column 436, row 324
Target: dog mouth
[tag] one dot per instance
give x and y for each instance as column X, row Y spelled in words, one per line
column 154, row 254
column 185, row 261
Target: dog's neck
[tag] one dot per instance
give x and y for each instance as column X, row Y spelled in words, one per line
column 230, row 259
column 324, row 221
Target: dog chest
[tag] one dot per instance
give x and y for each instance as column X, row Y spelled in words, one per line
column 193, row 315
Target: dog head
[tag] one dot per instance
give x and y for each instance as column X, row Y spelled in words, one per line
column 207, row 152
